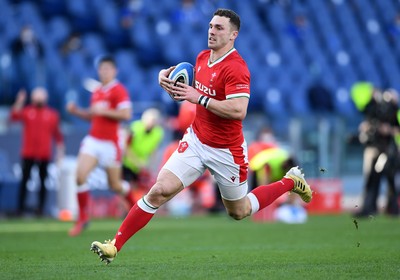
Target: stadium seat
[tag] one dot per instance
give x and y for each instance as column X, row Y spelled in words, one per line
column 334, row 27
column 51, row 8
column 93, row 45
column 58, row 30
column 82, row 16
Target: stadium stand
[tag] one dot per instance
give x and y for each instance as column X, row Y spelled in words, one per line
column 342, row 41
column 288, row 45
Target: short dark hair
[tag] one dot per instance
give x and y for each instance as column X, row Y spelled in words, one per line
column 234, row 18
column 106, row 58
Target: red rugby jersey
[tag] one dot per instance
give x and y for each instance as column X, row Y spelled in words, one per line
column 40, row 128
column 112, row 96
column 228, row 77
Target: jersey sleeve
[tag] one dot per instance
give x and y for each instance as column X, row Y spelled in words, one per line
column 238, row 81
column 16, row 115
column 122, row 99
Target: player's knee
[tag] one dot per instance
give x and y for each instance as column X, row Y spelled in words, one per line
column 237, row 214
column 158, row 195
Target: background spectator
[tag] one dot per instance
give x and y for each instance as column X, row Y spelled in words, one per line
column 27, row 56
column 41, row 127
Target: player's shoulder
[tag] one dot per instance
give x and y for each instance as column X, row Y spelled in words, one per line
column 237, row 59
column 204, row 54
column 118, row 86
column 120, row 89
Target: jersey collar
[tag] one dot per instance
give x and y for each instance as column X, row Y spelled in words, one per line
column 109, row 85
column 211, row 64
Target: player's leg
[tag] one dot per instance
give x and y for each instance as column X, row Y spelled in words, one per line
column 42, row 164
column 109, row 156
column 264, row 195
column 86, row 163
column 122, row 187
column 181, row 170
column 166, row 187
column 232, row 183
column 26, row 166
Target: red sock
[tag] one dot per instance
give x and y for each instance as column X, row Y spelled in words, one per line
column 267, row 194
column 139, row 215
column 83, row 203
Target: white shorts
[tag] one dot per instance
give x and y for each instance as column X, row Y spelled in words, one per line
column 106, row 152
column 228, row 166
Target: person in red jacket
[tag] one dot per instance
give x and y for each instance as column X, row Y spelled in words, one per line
column 40, row 129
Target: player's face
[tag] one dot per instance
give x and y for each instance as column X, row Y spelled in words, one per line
column 107, row 72
column 220, row 33
column 39, row 97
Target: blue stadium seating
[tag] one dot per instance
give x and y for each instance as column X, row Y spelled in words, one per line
column 267, row 26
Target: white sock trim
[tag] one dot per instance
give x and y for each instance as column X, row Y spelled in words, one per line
column 146, row 206
column 255, row 205
column 83, row 188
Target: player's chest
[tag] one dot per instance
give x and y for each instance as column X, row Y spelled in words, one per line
column 103, row 99
column 39, row 116
column 210, row 80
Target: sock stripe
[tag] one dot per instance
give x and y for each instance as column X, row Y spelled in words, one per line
column 146, row 206
column 255, row 205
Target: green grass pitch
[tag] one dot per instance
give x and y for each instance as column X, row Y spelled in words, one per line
column 214, row 247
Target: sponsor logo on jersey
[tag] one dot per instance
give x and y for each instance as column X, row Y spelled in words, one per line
column 213, row 75
column 205, row 90
column 233, row 178
column 242, row 86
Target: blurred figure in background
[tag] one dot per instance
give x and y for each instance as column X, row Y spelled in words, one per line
column 394, row 29
column 72, row 44
column 110, row 105
column 145, row 136
column 377, row 133
column 187, row 15
column 28, row 58
column 40, row 128
column 130, row 10
column 269, row 161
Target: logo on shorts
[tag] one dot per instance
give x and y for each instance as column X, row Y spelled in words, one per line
column 233, row 178
column 182, row 146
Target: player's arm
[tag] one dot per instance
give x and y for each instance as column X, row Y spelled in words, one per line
column 80, row 113
column 123, row 114
column 234, row 108
column 18, row 105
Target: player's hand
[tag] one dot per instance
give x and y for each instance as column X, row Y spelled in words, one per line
column 185, row 92
column 163, row 80
column 20, row 101
column 98, row 109
column 71, row 107
column 21, row 96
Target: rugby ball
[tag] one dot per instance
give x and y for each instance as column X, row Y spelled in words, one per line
column 183, row 73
